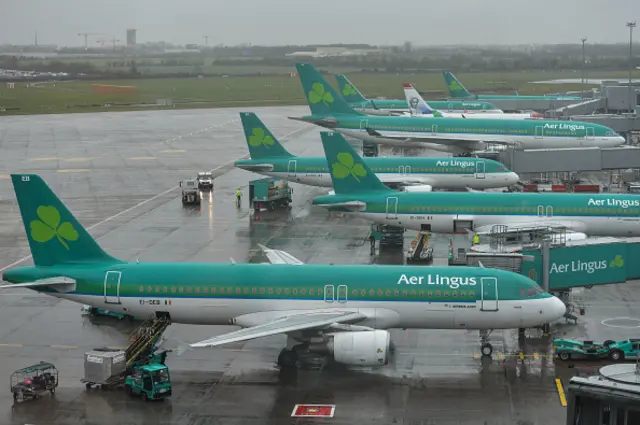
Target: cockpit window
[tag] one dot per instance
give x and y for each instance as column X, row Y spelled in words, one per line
column 531, row 292
column 501, row 168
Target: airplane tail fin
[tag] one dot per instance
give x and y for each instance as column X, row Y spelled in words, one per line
column 54, row 234
column 417, row 105
column 349, row 91
column 455, row 87
column 262, row 144
column 349, row 173
column 321, row 97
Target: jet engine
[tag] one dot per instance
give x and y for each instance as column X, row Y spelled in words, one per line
column 417, row 188
column 361, row 348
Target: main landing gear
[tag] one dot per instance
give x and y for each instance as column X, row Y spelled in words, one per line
column 288, row 359
column 486, row 348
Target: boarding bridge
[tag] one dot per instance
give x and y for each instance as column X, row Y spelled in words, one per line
column 590, row 106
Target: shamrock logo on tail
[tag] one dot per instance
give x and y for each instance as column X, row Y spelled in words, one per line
column 455, row 86
column 348, row 90
column 258, row 138
column 48, row 226
column 318, row 94
column 617, row 262
column 346, row 166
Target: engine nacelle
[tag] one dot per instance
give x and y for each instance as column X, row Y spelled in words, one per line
column 361, row 348
column 417, row 188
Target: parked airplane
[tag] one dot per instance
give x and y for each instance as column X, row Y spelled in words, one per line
column 454, row 135
column 346, row 309
column 419, row 107
column 362, row 194
column 457, row 90
column 357, row 101
column 411, row 174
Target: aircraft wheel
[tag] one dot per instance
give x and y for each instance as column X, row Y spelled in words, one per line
column 288, row 359
column 486, row 349
column 617, row 355
column 564, row 356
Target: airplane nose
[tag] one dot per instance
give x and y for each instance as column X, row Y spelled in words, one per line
column 513, row 178
column 556, row 309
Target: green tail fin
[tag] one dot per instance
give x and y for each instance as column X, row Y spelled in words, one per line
column 349, row 173
column 262, row 144
column 455, row 87
column 321, row 97
column 54, row 234
column 349, row 92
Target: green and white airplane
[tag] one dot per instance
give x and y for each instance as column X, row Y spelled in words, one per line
column 410, row 174
column 457, row 90
column 453, row 135
column 359, row 192
column 342, row 310
column 357, row 101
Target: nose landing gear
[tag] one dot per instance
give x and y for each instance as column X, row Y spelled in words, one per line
column 486, row 348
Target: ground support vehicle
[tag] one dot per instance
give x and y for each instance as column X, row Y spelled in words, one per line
column 33, row 381
column 420, row 251
column 94, row 311
column 387, row 235
column 269, row 193
column 370, row 149
column 205, row 181
column 151, row 381
column 190, row 192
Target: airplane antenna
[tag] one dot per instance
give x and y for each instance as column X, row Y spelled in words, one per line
column 480, row 264
column 137, row 260
column 232, row 260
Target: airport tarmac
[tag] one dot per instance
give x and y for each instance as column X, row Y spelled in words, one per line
column 118, row 173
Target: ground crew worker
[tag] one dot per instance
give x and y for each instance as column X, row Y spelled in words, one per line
column 372, row 239
column 238, row 196
column 476, row 239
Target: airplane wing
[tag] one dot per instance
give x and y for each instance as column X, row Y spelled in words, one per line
column 295, row 322
column 350, row 205
column 279, row 257
column 57, row 282
column 258, row 167
column 403, row 180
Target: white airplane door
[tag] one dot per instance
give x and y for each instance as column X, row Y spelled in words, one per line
column 590, row 133
column 489, row 294
column 293, row 163
column 112, row 287
column 539, row 132
column 480, row 170
column 392, row 207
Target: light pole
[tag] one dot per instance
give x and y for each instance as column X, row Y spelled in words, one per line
column 583, row 62
column 631, row 26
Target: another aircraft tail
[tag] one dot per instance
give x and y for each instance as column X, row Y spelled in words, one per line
column 455, row 87
column 417, row 105
column 349, row 91
column 262, row 144
column 321, row 97
column 349, row 173
column 54, row 234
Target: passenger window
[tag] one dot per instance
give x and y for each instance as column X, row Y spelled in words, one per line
column 213, row 290
column 472, row 293
column 205, row 290
column 404, row 293
column 295, row 291
column 197, row 289
column 421, row 294
column 379, row 292
column 173, row 289
column 354, row 292
column 454, row 293
column 463, row 294
column 413, row 293
column 165, row 289
column 372, row 293
column 245, row 291
column 437, row 293
column 149, row 289
column 262, row 290
column 270, row 290
column 157, row 289
column 303, row 291
column 286, row 291
column 363, row 292
column 396, row 293
column 189, row 289
column 446, row 294
column 388, row 293
column 141, row 289
column 278, row 291
column 181, row 289
column 238, row 291
column 312, row 291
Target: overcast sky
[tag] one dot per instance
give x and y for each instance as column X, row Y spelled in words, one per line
column 278, row 22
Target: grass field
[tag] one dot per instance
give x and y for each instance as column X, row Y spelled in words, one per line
column 212, row 92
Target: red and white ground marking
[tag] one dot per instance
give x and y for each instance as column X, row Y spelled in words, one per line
column 313, row 410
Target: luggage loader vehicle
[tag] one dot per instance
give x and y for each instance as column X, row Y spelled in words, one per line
column 628, row 349
column 190, row 192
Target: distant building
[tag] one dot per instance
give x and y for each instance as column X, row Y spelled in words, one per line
column 331, row 51
column 131, row 37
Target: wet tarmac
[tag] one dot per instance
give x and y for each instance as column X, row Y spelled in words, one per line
column 118, row 173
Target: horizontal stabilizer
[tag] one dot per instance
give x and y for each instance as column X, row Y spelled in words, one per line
column 257, row 167
column 58, row 282
column 295, row 322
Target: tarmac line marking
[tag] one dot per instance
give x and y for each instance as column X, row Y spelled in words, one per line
column 563, row 398
column 141, row 158
column 51, row 158
column 11, row 345
column 5, row 176
column 146, row 201
column 65, row 346
column 73, row 170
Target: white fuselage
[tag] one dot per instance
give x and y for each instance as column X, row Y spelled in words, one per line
column 522, row 141
column 453, row 223
column 437, row 181
column 382, row 315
